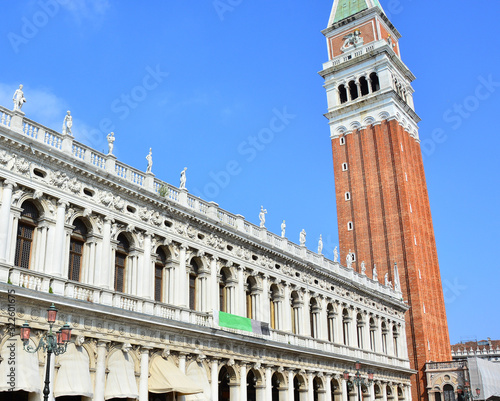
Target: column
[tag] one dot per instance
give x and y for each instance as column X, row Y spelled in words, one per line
column 5, row 219
column 384, row 391
column 143, row 383
column 328, row 388
column 104, row 270
column 240, row 298
column 214, row 284
column 345, row 390
column 371, row 391
column 182, row 368
column 243, row 382
column 269, row 384
column 147, row 275
column 182, row 290
column 100, row 371
column 305, row 329
column 214, row 375
column 290, row 386
column 310, row 387
column 322, row 321
column 56, row 267
column 263, row 313
column 285, row 309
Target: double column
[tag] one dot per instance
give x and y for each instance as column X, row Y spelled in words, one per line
column 8, row 187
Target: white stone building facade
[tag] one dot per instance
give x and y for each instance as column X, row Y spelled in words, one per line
column 140, row 269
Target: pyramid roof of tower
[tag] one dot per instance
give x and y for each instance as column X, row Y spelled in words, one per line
column 343, row 9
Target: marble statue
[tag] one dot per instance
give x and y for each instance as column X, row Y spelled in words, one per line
column 397, row 283
column 335, row 255
column 18, row 98
column 363, row 268
column 348, row 260
column 386, row 280
column 262, row 217
column 375, row 274
column 67, row 124
column 303, row 237
column 182, row 184
column 149, row 158
column 320, row 244
column 111, row 140
column 283, row 229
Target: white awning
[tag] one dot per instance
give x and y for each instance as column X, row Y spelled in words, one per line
column 73, row 377
column 198, row 374
column 26, row 373
column 165, row 377
column 121, row 382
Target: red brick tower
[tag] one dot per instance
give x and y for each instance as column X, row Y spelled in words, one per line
column 383, row 207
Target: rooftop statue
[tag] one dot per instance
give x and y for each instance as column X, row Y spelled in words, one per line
column 19, row 98
column 67, row 124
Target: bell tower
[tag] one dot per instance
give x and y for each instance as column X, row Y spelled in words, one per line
column 384, row 216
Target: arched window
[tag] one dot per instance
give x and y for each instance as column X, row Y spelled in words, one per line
column 224, row 379
column 295, row 305
column 274, row 307
column 317, row 386
column 223, row 298
column 374, row 81
column 121, row 255
column 251, row 297
column 346, row 319
column 384, row 337
column 359, row 328
column 160, row 263
column 193, row 283
column 313, row 316
column 364, row 86
column 373, row 330
column 251, row 386
column 353, row 90
column 76, row 247
column 336, row 390
column 343, row 94
column 25, row 234
column 395, row 336
column 276, row 381
column 330, row 310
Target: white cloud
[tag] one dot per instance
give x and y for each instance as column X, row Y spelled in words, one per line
column 85, row 10
column 45, row 108
column 41, row 104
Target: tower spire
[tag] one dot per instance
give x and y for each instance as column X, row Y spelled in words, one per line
column 343, row 9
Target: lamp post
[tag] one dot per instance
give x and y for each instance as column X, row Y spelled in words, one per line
column 468, row 392
column 358, row 380
column 50, row 343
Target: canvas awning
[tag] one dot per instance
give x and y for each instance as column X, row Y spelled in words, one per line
column 26, row 373
column 198, row 374
column 165, row 377
column 121, row 382
column 73, row 377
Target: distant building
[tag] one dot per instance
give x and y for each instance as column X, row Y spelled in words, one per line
column 486, row 349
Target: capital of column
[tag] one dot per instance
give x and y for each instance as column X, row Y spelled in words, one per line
column 103, row 343
column 9, row 184
column 62, row 203
column 145, row 349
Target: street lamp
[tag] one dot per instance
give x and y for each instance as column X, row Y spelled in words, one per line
column 358, row 380
column 50, row 342
column 468, row 393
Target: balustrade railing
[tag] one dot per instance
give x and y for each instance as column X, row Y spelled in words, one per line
column 171, row 193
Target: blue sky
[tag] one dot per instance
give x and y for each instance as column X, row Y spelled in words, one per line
column 198, row 80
